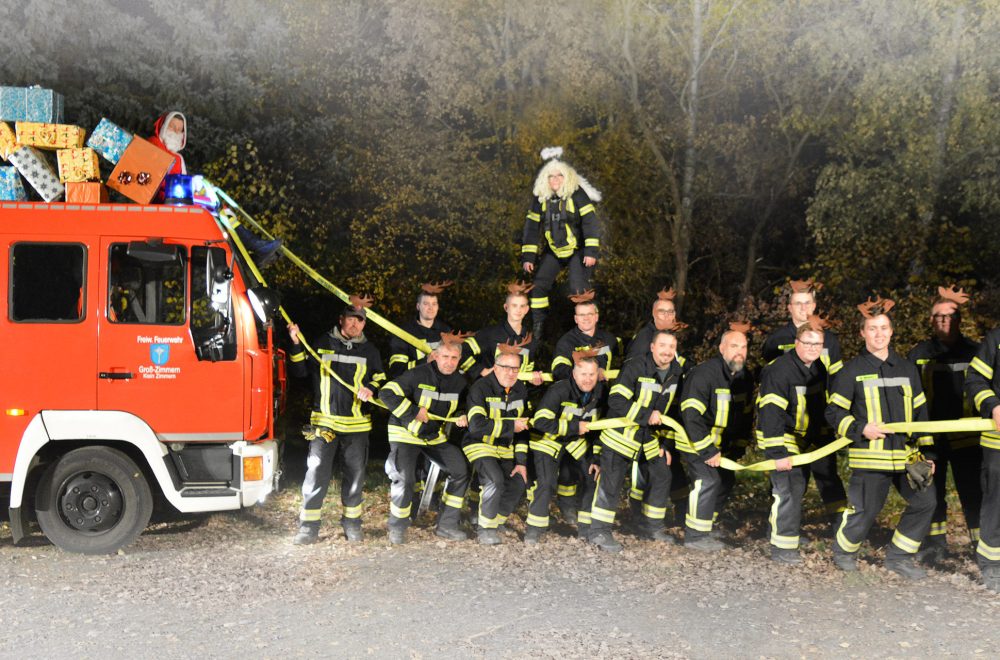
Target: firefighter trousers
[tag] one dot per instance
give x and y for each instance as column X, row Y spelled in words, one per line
column 614, row 467
column 679, row 486
column 828, row 483
column 545, row 277
column 706, row 488
column 353, row 451
column 500, row 492
column 967, row 470
column 787, row 489
column 550, row 476
column 988, row 548
column 401, row 468
column 866, row 495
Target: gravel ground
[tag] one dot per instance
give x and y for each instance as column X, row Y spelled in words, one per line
column 225, row 585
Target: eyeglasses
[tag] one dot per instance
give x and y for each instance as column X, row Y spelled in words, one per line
column 810, row 344
column 504, row 366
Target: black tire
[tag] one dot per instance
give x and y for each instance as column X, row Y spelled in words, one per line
column 93, row 500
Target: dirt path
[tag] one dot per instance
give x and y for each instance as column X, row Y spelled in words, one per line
column 228, row 585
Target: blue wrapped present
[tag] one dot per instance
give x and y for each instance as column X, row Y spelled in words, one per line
column 11, row 188
column 31, row 104
column 34, row 167
column 109, row 140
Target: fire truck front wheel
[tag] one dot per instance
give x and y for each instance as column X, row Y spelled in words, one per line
column 93, row 500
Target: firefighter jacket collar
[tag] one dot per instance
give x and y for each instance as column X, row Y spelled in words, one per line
column 892, row 359
column 812, row 371
column 360, row 339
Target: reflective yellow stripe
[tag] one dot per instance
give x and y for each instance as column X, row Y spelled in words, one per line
column 310, row 515
column 773, row 399
column 695, row 404
column 842, row 540
column 654, row 512
column 905, row 543
column 454, row 501
column 398, row 512
column 566, row 490
column 844, row 425
column 985, row 370
column 537, row 521
column 840, row 400
column 777, row 540
column 603, row 515
column 981, row 397
column 353, row 511
column 691, row 520
column 297, row 357
column 585, row 209
column 938, row 529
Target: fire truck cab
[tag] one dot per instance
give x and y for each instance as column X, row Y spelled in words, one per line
column 137, row 360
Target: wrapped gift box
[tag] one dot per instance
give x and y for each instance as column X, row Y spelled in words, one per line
column 8, row 141
column 33, row 166
column 31, row 104
column 78, row 165
column 140, row 171
column 50, row 136
column 11, row 188
column 109, row 140
column 86, row 192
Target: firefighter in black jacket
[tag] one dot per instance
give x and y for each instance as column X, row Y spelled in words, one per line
column 709, row 393
column 982, row 386
column 584, row 337
column 790, row 409
column 880, row 386
column 481, row 351
column 561, row 229
column 560, row 423
column 664, row 317
column 427, row 326
column 802, row 305
column 496, row 406
column 416, row 400
column 643, row 393
column 943, row 361
column 339, row 422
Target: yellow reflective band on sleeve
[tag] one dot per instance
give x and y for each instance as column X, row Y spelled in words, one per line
column 844, row 425
column 529, row 249
column 539, row 303
column 774, row 400
column 981, row 397
column 561, row 360
column 622, row 391
column 534, row 217
column 297, row 357
column 592, row 242
column 985, row 370
column 835, row 367
column 693, row 404
column 585, row 209
column 919, row 400
column 840, row 400
column 397, row 358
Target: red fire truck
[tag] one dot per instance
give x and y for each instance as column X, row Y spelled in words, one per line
column 138, row 360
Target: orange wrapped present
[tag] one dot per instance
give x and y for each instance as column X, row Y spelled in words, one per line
column 50, row 136
column 8, row 141
column 78, row 165
column 140, row 170
column 86, row 192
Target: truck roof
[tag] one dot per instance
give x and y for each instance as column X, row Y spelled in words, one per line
column 41, row 218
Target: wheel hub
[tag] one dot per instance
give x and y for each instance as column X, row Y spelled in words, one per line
column 90, row 502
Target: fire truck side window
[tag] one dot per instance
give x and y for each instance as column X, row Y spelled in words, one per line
column 47, row 282
column 212, row 327
column 146, row 291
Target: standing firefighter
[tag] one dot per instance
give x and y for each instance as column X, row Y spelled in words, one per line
column 496, row 411
column 710, row 392
column 561, row 421
column 482, row 350
column 664, row 315
column 426, row 326
column 790, row 408
column 560, row 230
column 943, row 361
column 643, row 393
column 879, row 386
column 801, row 306
column 585, row 336
column 418, row 402
column 982, row 386
column 349, row 375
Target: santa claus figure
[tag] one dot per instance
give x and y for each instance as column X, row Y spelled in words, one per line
column 170, row 134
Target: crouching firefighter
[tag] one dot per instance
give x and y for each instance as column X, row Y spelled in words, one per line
column 790, row 409
column 349, row 375
column 879, row 386
column 560, row 422
column 496, row 412
column 643, row 393
column 419, row 401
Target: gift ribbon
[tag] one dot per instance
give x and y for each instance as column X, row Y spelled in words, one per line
column 380, row 320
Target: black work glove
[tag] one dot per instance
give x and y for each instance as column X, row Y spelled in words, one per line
column 919, row 474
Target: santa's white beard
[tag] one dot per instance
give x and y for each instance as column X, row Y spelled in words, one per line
column 173, row 141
